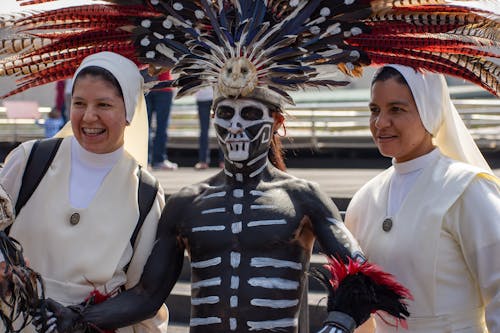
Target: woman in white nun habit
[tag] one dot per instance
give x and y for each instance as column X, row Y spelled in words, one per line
column 432, row 218
column 76, row 227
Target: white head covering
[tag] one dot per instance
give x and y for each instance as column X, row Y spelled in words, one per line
column 132, row 84
column 440, row 117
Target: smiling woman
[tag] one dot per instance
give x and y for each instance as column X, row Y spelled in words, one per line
column 90, row 196
column 395, row 122
column 97, row 111
column 432, row 218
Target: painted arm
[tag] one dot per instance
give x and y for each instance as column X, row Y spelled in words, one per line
column 160, row 274
column 331, row 233
column 355, row 287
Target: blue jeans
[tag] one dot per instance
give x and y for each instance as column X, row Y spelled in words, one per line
column 204, row 117
column 204, row 108
column 160, row 103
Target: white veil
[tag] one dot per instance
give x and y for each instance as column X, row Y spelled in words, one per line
column 128, row 76
column 440, row 117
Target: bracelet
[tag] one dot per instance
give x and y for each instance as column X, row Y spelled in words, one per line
column 340, row 320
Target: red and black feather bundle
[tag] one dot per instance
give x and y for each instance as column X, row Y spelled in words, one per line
column 360, row 289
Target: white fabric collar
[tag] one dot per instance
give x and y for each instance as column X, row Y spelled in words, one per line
column 417, row 163
column 88, row 171
column 93, row 160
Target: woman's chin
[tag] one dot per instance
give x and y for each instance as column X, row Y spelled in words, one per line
column 386, row 150
column 93, row 145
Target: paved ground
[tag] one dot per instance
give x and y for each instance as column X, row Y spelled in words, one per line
column 340, row 183
column 337, row 183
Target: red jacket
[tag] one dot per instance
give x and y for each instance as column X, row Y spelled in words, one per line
column 167, row 76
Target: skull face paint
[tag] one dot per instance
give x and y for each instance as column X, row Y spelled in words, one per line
column 244, row 128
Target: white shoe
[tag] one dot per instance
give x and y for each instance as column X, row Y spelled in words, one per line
column 165, row 165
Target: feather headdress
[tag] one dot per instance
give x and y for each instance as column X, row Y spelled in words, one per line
column 255, row 48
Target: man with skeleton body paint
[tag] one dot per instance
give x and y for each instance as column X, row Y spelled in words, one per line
column 249, row 232
column 250, row 229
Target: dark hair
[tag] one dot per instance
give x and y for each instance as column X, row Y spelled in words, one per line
column 276, row 152
column 385, row 73
column 103, row 74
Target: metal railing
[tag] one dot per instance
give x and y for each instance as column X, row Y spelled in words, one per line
column 308, row 125
column 339, row 125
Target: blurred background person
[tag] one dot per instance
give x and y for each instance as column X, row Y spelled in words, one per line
column 68, row 91
column 159, row 103
column 53, row 122
column 204, row 99
column 60, row 103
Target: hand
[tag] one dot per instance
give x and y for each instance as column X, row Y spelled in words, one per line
column 44, row 316
column 6, row 278
column 5, row 272
column 57, row 317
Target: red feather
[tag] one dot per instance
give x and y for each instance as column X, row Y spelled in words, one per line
column 340, row 271
column 360, row 289
column 97, row 297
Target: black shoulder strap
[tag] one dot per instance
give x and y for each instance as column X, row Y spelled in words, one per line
column 40, row 158
column 148, row 188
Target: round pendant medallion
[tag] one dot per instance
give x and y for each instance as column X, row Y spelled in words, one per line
column 387, row 225
column 74, row 219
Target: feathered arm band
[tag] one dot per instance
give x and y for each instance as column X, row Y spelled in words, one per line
column 356, row 290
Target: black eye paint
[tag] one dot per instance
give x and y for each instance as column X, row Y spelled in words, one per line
column 225, row 112
column 251, row 113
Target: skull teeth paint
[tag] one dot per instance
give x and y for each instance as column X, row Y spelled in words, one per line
column 237, row 147
column 243, row 127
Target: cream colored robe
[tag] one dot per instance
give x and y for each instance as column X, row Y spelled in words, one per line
column 444, row 246
column 75, row 259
